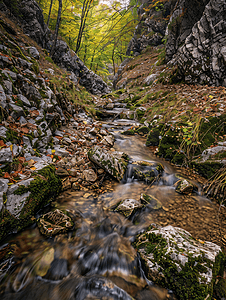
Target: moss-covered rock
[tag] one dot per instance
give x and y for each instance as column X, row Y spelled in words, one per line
column 184, row 187
column 143, row 130
column 151, row 201
column 115, row 163
column 173, row 259
column 128, row 207
column 39, row 191
column 54, row 222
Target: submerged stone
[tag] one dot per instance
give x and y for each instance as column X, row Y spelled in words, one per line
column 184, row 187
column 128, row 206
column 54, row 222
column 175, row 260
column 151, row 201
column 115, row 163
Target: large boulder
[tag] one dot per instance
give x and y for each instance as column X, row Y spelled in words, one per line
column 176, row 260
column 115, row 163
column 22, row 200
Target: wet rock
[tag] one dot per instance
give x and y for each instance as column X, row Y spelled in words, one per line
column 15, row 203
column 54, row 222
column 6, row 156
column 151, row 201
column 61, row 172
column 160, row 247
column 184, row 187
column 89, row 175
column 128, row 206
column 58, row 269
column 115, row 163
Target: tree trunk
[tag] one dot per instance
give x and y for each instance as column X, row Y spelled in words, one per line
column 57, row 28
column 47, row 24
column 85, row 11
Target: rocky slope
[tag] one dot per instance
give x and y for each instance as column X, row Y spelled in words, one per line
column 36, row 159
column 29, row 15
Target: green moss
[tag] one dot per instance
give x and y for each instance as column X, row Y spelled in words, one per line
column 143, row 130
column 42, row 190
column 129, row 132
column 186, row 283
column 206, row 169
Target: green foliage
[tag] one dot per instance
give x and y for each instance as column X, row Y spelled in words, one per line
column 106, row 34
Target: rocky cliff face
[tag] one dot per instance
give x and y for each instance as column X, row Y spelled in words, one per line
column 30, row 17
column 184, row 15
column 194, row 35
column 202, row 58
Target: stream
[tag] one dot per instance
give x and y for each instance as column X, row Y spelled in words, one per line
column 96, row 260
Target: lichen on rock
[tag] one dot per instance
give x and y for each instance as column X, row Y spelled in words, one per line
column 176, row 260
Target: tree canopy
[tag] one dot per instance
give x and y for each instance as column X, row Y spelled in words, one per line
column 98, row 32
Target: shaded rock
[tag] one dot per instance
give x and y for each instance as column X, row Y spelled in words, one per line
column 115, row 163
column 6, row 155
column 2, row 94
column 4, row 185
column 54, row 222
column 61, row 152
column 201, row 59
column 3, row 131
column 89, row 175
column 184, row 187
column 17, row 111
column 24, row 100
column 172, row 257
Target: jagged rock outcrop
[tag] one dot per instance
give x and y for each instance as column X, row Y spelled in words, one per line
column 202, row 58
column 183, row 17
column 152, row 25
column 31, row 19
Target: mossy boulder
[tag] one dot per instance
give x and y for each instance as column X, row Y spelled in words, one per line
column 175, row 260
column 151, row 201
column 24, row 200
column 146, row 171
column 143, row 130
column 54, row 222
column 128, row 207
column 184, row 187
column 153, row 137
column 115, row 163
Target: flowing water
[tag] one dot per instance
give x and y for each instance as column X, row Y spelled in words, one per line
column 96, row 260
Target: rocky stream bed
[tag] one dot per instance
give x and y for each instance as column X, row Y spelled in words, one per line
column 127, row 225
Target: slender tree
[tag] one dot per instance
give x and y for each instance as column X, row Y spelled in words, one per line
column 85, row 11
column 57, row 28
